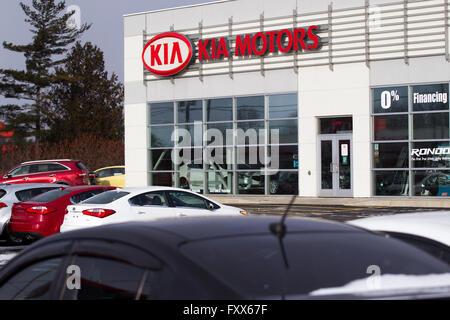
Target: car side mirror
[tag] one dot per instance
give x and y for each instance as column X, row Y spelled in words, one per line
column 6, row 176
column 211, row 206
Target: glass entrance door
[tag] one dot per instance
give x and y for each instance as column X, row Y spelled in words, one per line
column 335, row 158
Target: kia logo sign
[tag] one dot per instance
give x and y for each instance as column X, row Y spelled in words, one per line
column 168, row 53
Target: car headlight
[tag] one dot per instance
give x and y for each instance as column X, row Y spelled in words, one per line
column 243, row 212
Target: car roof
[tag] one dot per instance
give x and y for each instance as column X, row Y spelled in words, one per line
column 433, row 225
column 110, row 167
column 54, row 160
column 200, row 228
column 22, row 186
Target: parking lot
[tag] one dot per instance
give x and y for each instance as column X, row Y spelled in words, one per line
column 338, row 213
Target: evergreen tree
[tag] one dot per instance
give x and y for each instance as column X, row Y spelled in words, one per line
column 52, row 38
column 88, row 101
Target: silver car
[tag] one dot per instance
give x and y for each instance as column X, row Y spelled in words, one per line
column 12, row 193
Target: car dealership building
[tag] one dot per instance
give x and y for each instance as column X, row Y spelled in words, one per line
column 318, row 98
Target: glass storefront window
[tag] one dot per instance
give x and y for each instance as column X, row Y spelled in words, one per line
column 336, row 125
column 432, row 183
column 283, row 182
column 161, row 160
column 222, row 127
column 190, row 111
column 222, row 160
column 287, row 157
column 251, row 182
column 251, row 131
column 391, row 155
column 287, row 131
column 250, row 108
column 219, row 109
column 431, row 126
column 392, row 127
column 220, row 182
column 283, row 106
column 161, row 113
column 165, row 179
column 161, row 136
column 390, row 99
column 430, row 97
column 432, row 154
column 391, row 183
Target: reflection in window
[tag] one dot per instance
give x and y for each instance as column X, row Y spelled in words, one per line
column 249, row 108
column 220, row 182
column 161, row 136
column 431, row 126
column 283, row 182
column 250, row 132
column 161, row 113
column 219, row 109
column 432, row 183
column 224, row 128
column 251, row 182
column 32, row 283
column 336, row 125
column 162, row 179
column 391, row 155
column 287, row 131
column 190, row 111
column 161, row 160
column 287, row 156
column 391, row 183
column 391, row 127
column 283, row 106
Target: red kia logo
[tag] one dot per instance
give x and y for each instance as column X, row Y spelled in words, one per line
column 168, row 53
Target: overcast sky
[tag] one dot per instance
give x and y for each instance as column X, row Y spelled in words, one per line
column 106, row 32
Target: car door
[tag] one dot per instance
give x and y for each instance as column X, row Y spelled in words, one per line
column 151, row 205
column 189, row 204
column 118, row 177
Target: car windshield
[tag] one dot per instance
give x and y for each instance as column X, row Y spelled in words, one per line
column 315, row 261
column 2, row 193
column 50, row 196
column 106, row 197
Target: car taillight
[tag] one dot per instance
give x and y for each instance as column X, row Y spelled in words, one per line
column 40, row 210
column 99, row 213
column 2, row 205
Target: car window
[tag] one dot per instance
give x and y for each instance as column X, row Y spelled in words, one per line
column 104, row 279
column 22, row 170
column 185, row 199
column 81, row 166
column 50, row 195
column 105, row 173
column 33, row 282
column 119, row 171
column 2, row 193
column 106, row 197
column 434, row 248
column 316, row 260
column 25, row 195
column 155, row 198
column 86, row 195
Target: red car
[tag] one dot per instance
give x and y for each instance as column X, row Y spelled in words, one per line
column 68, row 172
column 43, row 215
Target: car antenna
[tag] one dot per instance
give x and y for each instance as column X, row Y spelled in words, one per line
column 279, row 228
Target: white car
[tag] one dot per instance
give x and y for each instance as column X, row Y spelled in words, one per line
column 141, row 204
column 427, row 230
column 12, row 193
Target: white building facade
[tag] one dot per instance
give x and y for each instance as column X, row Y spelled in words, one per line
column 355, row 105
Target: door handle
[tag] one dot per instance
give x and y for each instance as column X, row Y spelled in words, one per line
column 52, row 175
column 26, row 178
column 182, row 215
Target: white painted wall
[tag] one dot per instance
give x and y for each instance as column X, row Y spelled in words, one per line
column 325, row 93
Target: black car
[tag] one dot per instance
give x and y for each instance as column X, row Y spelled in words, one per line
column 207, row 258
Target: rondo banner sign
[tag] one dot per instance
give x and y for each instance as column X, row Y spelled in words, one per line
column 170, row 53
